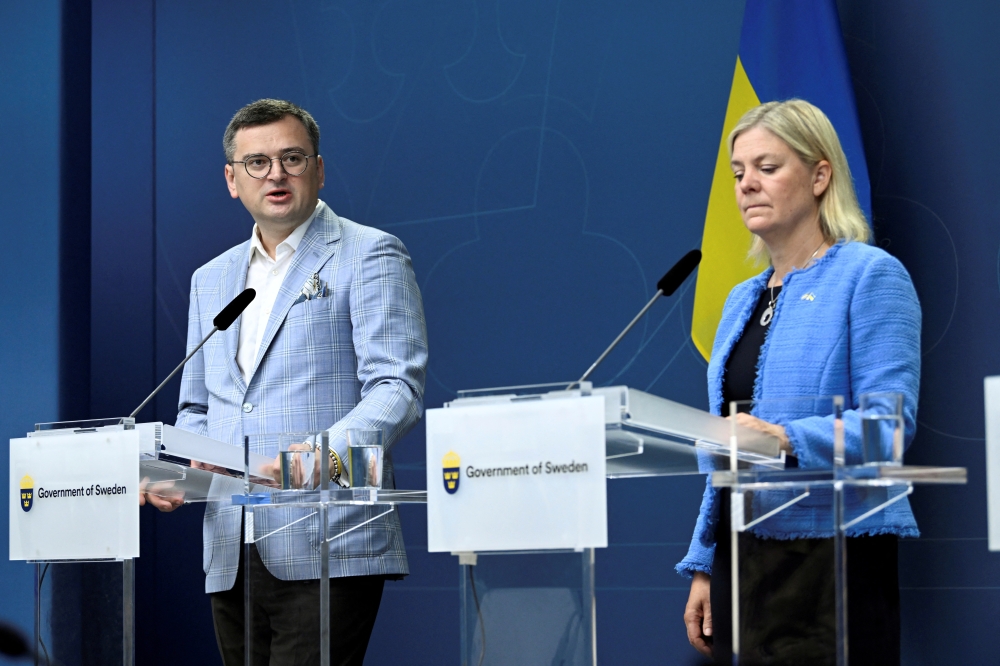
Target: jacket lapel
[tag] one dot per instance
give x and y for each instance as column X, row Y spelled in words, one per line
column 234, row 281
column 315, row 250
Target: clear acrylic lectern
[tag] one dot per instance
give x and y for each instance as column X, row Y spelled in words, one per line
column 115, row 575
column 291, row 490
column 853, row 481
column 165, row 457
column 539, row 606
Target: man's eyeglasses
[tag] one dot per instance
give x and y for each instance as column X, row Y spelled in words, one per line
column 258, row 166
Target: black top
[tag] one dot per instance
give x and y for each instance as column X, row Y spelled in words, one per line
column 741, row 368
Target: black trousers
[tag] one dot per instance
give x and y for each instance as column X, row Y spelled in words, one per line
column 286, row 618
column 787, row 602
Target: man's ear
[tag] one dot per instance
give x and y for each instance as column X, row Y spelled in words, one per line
column 320, row 172
column 231, row 181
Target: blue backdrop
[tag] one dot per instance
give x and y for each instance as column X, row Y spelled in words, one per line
column 926, row 83
column 29, row 274
column 545, row 162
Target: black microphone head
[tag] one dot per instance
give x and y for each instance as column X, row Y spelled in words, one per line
column 679, row 272
column 12, row 642
column 235, row 308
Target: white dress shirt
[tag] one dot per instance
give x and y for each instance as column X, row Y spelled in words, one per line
column 265, row 276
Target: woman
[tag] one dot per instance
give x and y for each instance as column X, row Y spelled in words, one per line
column 831, row 315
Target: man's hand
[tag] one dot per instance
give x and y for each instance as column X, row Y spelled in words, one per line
column 161, row 495
column 299, row 467
column 698, row 613
column 767, row 428
column 214, row 469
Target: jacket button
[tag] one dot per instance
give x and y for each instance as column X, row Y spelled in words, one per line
column 247, row 407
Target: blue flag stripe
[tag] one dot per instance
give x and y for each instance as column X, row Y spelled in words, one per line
column 794, row 48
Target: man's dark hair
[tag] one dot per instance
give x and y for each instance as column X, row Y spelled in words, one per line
column 265, row 112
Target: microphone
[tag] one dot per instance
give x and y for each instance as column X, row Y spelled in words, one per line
column 665, row 287
column 222, row 321
column 12, row 642
column 228, row 315
column 678, row 273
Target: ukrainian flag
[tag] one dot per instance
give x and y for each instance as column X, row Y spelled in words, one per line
column 788, row 48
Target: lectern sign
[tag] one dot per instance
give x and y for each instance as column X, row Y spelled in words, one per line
column 520, row 475
column 75, row 496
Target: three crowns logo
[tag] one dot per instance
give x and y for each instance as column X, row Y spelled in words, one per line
column 450, row 469
column 27, row 492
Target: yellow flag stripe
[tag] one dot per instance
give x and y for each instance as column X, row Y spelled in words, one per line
column 725, row 241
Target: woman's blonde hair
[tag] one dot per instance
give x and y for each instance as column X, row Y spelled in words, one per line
column 809, row 133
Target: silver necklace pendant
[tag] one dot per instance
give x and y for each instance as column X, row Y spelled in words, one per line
column 768, row 315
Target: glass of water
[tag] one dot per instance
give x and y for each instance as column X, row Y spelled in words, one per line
column 364, row 455
column 882, row 428
column 299, row 460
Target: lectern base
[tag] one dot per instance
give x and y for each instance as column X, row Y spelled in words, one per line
column 528, row 608
column 84, row 612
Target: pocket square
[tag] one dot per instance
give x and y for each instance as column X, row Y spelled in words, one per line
column 313, row 288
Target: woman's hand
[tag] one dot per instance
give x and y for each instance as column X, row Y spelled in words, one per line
column 768, row 429
column 698, row 613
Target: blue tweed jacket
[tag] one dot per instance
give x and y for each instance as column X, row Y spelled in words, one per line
column 847, row 325
column 355, row 358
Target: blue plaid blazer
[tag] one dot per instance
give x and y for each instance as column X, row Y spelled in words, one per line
column 354, row 358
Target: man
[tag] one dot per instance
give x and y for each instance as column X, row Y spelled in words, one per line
column 334, row 339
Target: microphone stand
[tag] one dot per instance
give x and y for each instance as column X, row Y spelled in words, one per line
column 659, row 292
column 666, row 286
column 222, row 321
column 170, row 376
